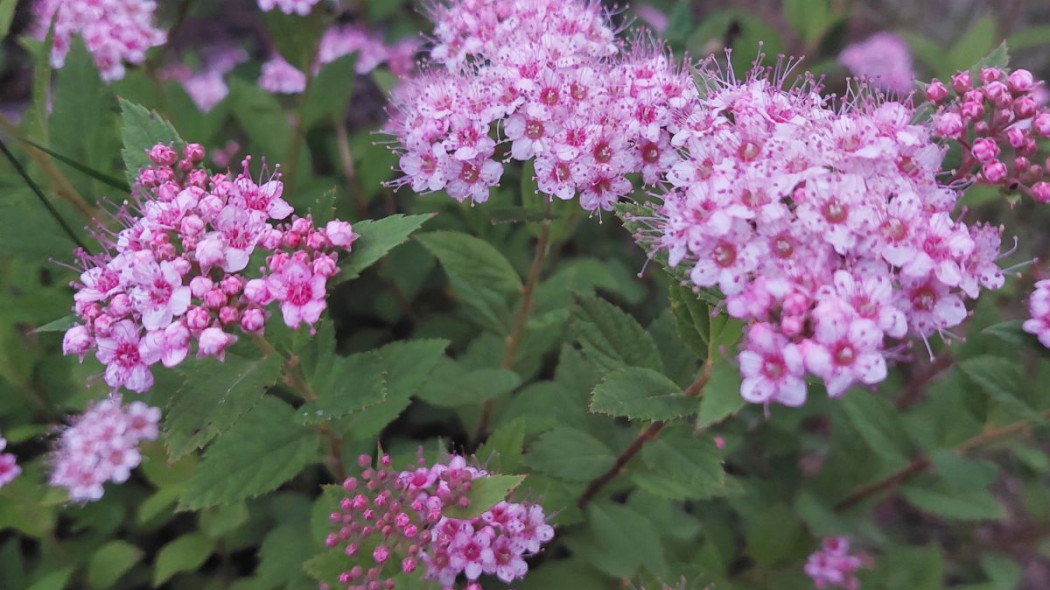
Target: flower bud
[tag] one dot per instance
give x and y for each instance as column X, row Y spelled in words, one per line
column 231, row 285
column 193, row 152
column 1025, row 107
column 214, row 342
column 253, row 320
column 78, row 341
column 119, row 306
column 162, row 155
column 994, row 172
column 340, row 233
column 948, row 125
column 1016, row 137
column 985, row 150
column 1041, row 124
column 962, row 81
column 998, row 93
column 214, row 299
column 199, row 286
column 936, row 92
column 988, row 75
column 229, row 315
column 1021, row 81
column 325, row 266
column 197, row 319
column 1041, row 192
column 972, row 110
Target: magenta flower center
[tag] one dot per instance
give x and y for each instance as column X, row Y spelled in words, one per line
column 724, row 255
column 534, row 130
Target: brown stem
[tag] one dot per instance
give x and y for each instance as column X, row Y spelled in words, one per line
column 694, row 390
column 989, row 434
column 346, row 158
column 518, row 331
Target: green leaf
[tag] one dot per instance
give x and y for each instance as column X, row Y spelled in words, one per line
column 284, row 551
column 263, row 120
column 721, row 396
column 451, row 385
column 773, row 533
column 295, row 37
column 974, row 44
column 611, row 338
column 1004, row 572
column 185, row 554
column 641, row 394
column 327, row 566
column 505, row 446
column 345, row 385
column 375, row 239
column 569, row 454
column 7, row 14
column 262, row 451
column 913, row 568
column 997, row 58
column 59, row 325
column 485, row 492
column 110, row 181
column 82, row 102
column 111, row 562
column 473, row 260
column 141, row 129
column 221, row 520
column 692, row 319
column 626, row 538
column 809, row 18
column 1000, row 379
column 953, row 503
column 56, row 580
column 1030, row 36
column 682, row 468
column 963, row 472
column 328, row 96
column 878, row 423
column 214, row 397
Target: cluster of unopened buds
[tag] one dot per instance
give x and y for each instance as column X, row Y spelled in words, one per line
column 9, row 468
column 832, row 566
column 101, row 446
column 825, row 228
column 115, row 31
column 559, row 88
column 400, row 517
column 177, row 272
column 996, row 120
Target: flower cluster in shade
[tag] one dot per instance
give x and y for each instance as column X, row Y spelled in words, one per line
column 178, row 270
column 9, row 468
column 825, row 228
column 544, row 81
column 115, row 31
column 300, row 7
column 884, row 60
column 997, row 120
column 832, row 566
column 102, row 445
column 394, row 522
column 207, row 87
column 1038, row 323
column 280, row 77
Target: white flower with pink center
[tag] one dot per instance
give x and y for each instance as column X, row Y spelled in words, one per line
column 300, row 292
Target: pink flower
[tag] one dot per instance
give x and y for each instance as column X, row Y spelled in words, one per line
column 832, row 565
column 300, row 292
column 158, row 293
column 280, row 77
column 844, row 351
column 78, row 341
column 340, row 233
column 473, row 179
column 1039, row 310
column 772, row 367
column 9, row 468
column 214, row 342
column 127, row 357
column 300, row 7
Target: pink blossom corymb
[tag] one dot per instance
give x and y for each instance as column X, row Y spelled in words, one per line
column 832, row 566
column 884, row 59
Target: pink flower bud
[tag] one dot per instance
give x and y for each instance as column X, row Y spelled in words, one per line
column 985, row 150
column 210, row 206
column 317, row 240
column 972, row 110
column 214, row 342
column 948, row 125
column 199, row 286
column 989, row 75
column 1025, row 107
column 325, row 266
column 78, row 341
column 197, row 319
column 119, row 306
column 381, row 554
column 271, row 239
column 191, row 225
column 998, row 93
column 214, row 299
column 148, row 177
column 231, row 285
column 164, row 175
column 181, row 266
column 340, row 233
column 229, row 315
column 302, row 225
column 167, row 191
column 408, row 565
column 1016, row 137
column 185, row 165
column 253, row 320
column 87, row 309
column 936, row 92
column 162, row 155
column 1021, row 81
column 292, row 240
column 1041, row 124
column 103, row 324
column 197, row 178
column 981, row 128
column 193, row 152
column 962, row 81
column 1041, row 192
column 994, row 172
column 256, row 291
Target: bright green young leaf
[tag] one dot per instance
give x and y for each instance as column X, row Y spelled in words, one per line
column 569, row 454
column 611, row 338
column 345, row 385
column 111, row 562
column 375, row 239
column 262, row 451
column 185, row 554
column 641, row 394
column 485, row 492
column 142, row 129
column 214, row 397
column 473, row 260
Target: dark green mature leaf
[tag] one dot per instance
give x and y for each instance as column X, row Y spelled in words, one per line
column 451, row 385
column 185, row 554
column 141, row 129
column 214, row 397
column 913, row 568
column 375, row 239
column 82, row 116
column 626, row 538
column 611, row 338
column 975, row 504
column 473, row 260
column 295, row 37
column 1000, row 379
column 809, row 18
column 773, row 533
column 974, row 44
column 641, row 394
column 682, row 468
column 878, row 423
column 262, row 451
column 503, row 450
column 54, row 580
column 110, row 562
column 692, row 319
column 963, row 472
column 327, row 566
column 345, row 385
column 329, row 94
column 721, row 396
column 1029, row 36
column 263, row 120
column 485, row 492
column 569, row 454
column 284, row 551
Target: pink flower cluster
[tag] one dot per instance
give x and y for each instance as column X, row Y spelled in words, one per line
column 884, row 60
column 561, row 90
column 281, row 77
column 997, row 121
column 1039, row 308
column 832, row 565
column 400, row 516
column 115, row 31
column 176, row 272
column 300, row 7
column 102, row 445
column 208, row 87
column 9, row 468
column 824, row 228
